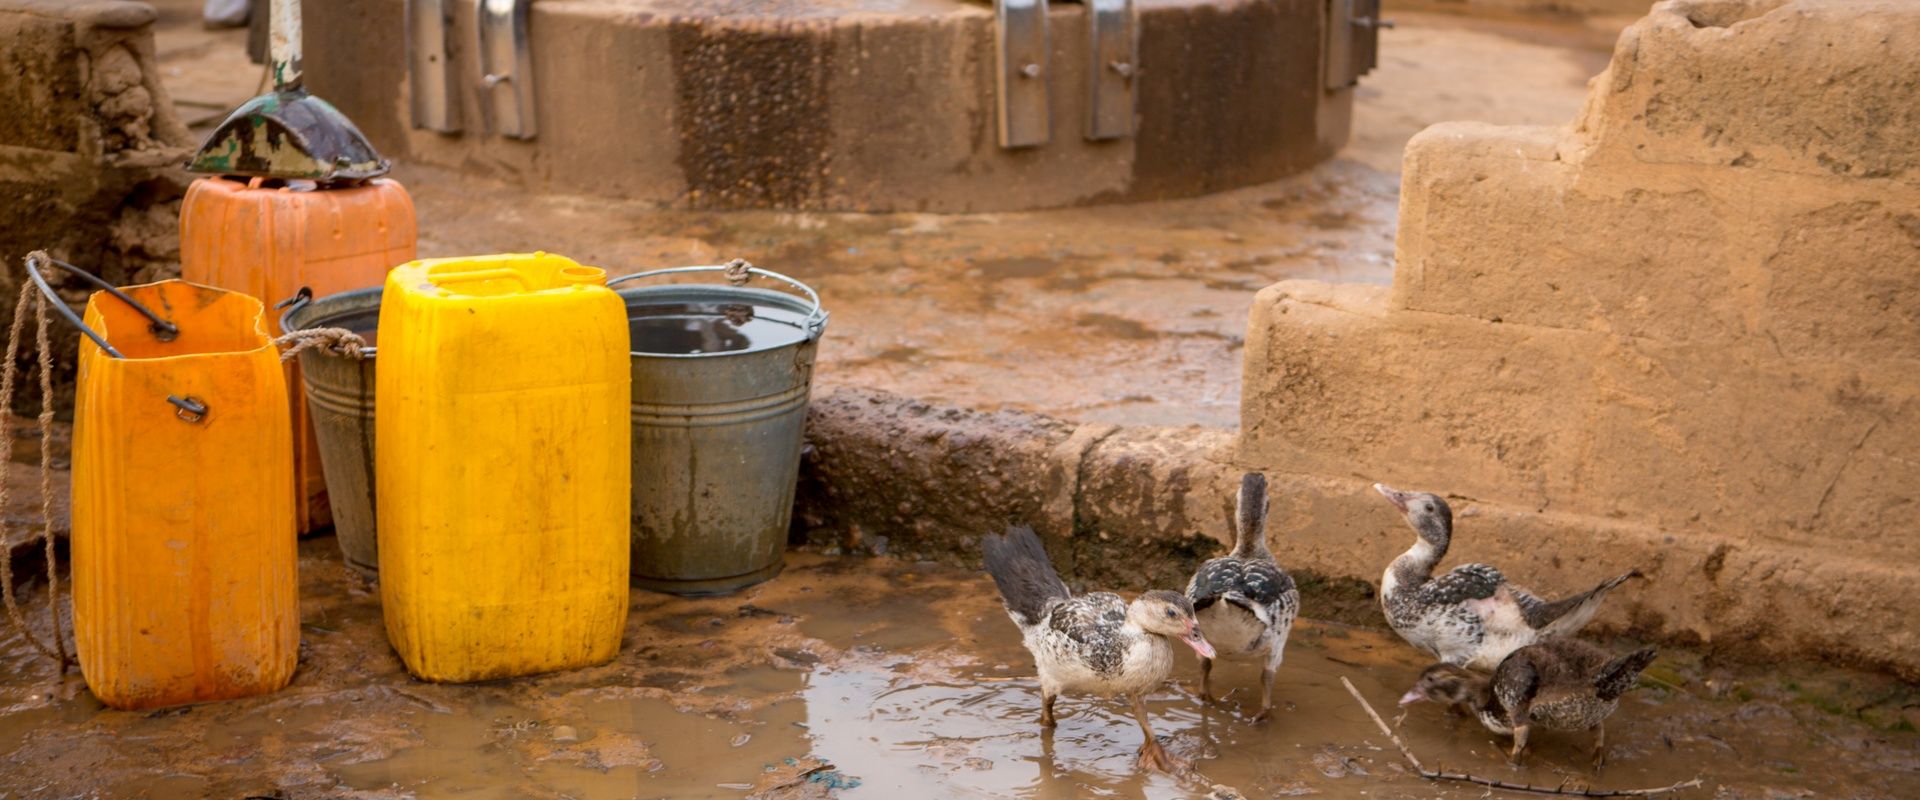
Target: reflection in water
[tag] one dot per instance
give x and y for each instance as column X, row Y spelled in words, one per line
column 695, row 328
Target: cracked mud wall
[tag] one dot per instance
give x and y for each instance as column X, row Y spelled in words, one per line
column 89, row 150
column 1681, row 331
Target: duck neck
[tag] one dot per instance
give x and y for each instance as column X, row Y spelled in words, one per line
column 1415, row 566
column 1251, row 545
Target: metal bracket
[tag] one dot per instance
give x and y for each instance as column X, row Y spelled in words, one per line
column 506, row 66
column 1113, row 40
column 1021, row 50
column 430, row 70
column 1353, row 40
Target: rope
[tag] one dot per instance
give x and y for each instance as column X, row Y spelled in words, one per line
column 737, row 272
column 332, row 341
column 45, row 341
column 8, row 375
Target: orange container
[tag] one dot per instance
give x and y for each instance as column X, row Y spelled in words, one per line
column 184, row 582
column 270, row 240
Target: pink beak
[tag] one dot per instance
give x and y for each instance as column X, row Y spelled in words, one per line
column 1394, row 496
column 1199, row 643
column 1412, row 696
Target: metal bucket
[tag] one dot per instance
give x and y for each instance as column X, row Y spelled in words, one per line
column 340, row 399
column 720, row 381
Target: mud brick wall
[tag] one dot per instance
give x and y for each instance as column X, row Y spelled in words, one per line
column 89, row 148
column 1680, row 332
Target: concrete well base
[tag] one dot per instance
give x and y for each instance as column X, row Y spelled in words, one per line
column 862, row 106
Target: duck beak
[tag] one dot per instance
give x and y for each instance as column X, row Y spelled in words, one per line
column 1199, row 643
column 1394, row 496
column 1412, row 696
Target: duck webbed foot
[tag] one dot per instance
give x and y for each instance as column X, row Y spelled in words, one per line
column 1152, row 755
column 1599, row 748
column 1047, row 719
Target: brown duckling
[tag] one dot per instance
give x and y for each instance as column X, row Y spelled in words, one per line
column 1559, row 684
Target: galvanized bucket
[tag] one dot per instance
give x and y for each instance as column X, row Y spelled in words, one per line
column 340, row 402
column 720, row 381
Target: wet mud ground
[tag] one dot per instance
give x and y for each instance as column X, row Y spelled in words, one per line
column 893, row 679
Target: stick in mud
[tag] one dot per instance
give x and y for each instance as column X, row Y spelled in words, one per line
column 1437, row 775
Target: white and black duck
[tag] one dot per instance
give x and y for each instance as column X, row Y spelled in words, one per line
column 1096, row 643
column 1560, row 684
column 1470, row 616
column 1245, row 602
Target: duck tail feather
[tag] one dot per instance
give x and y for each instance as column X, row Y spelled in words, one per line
column 1020, row 568
column 1623, row 673
column 1250, row 522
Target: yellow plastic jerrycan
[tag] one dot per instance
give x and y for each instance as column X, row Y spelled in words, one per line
column 184, row 577
column 502, row 466
column 270, row 239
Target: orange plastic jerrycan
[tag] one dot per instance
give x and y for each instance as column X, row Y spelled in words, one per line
column 184, row 576
column 269, row 239
column 502, row 465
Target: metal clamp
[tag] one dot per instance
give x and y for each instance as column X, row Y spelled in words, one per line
column 1353, row 41
column 1113, row 46
column 506, row 66
column 815, row 321
column 189, row 408
column 1021, row 48
column 434, row 90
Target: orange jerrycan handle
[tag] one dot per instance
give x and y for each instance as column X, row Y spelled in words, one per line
column 191, row 409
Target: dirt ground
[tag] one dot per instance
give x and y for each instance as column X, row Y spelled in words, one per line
column 905, row 680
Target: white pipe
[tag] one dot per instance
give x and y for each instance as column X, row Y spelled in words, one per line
column 283, row 36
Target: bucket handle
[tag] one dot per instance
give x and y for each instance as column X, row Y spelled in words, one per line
column 815, row 322
column 163, row 330
column 189, row 408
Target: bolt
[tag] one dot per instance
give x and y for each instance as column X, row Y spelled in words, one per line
column 492, row 80
column 1030, row 71
column 1125, row 69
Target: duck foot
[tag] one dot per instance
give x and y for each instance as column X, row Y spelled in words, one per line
column 1155, row 757
column 1264, row 715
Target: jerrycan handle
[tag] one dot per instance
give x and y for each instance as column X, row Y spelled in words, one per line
column 815, row 322
column 470, row 276
column 163, row 330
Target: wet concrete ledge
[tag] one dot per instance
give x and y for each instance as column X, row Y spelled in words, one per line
column 1137, row 508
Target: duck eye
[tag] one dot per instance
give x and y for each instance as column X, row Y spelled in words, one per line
column 1170, row 614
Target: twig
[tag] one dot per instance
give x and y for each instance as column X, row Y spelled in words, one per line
column 1436, row 775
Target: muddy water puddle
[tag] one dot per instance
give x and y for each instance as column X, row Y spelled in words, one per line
column 873, row 678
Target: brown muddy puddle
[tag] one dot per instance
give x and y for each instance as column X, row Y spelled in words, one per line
column 907, row 681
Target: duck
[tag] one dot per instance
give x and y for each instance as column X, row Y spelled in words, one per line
column 1094, row 643
column 1472, row 616
column 1245, row 602
column 1558, row 684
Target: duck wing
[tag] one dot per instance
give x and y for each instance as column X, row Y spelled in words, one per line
column 1561, row 617
column 1092, row 624
column 1464, row 583
column 1256, row 585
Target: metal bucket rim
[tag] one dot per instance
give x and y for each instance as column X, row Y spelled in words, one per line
column 304, row 311
column 709, row 291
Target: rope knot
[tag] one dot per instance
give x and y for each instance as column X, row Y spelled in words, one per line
column 338, row 342
column 738, row 272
